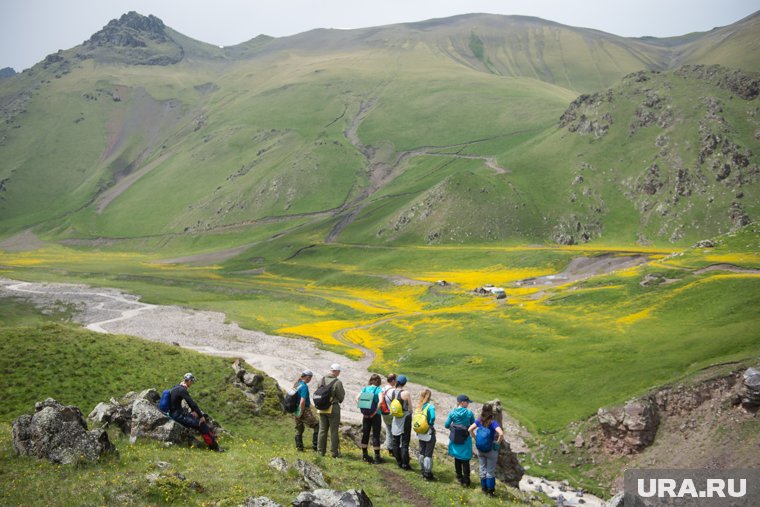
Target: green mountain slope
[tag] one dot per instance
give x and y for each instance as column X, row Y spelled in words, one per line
column 421, row 132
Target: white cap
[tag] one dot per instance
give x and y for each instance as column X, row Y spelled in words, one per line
column 335, row 367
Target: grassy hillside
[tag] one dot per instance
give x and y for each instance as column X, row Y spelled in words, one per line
column 82, row 369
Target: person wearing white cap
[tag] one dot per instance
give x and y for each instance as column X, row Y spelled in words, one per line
column 195, row 419
column 331, row 390
column 304, row 413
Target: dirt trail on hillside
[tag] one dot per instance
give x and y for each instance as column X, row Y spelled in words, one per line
column 112, row 311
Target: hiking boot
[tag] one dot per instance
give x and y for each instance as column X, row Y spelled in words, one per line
column 378, row 460
column 338, row 455
column 428, row 477
column 368, row 459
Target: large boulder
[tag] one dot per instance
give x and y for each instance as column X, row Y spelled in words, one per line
column 59, row 433
column 508, row 468
column 630, row 428
column 332, row 498
column 149, row 422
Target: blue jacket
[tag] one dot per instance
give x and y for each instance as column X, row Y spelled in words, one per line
column 463, row 417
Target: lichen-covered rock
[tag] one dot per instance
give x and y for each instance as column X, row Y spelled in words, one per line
column 59, row 433
column 149, row 422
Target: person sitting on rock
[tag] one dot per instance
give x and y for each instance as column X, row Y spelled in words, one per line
column 194, row 419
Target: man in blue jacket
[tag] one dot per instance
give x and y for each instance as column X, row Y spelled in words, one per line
column 194, row 419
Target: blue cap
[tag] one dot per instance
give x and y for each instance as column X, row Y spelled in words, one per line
column 401, row 379
column 462, row 397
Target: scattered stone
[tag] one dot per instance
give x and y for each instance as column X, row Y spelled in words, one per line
column 59, row 433
column 579, row 441
column 279, row 464
column 332, row 498
column 705, row 243
column 260, row 501
column 617, row 500
column 311, row 476
column 176, row 477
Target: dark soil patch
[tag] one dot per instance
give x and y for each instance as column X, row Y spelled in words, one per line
column 397, row 484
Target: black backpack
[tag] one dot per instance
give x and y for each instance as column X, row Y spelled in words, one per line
column 322, row 397
column 291, row 401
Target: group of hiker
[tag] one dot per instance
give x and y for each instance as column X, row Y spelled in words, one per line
column 390, row 405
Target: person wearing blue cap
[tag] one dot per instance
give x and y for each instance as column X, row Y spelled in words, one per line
column 401, row 428
column 458, row 422
column 304, row 415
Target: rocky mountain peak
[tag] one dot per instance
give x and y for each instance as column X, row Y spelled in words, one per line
column 7, row 72
column 133, row 39
column 130, row 30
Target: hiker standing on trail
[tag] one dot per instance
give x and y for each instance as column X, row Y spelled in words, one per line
column 194, row 419
column 460, row 442
column 327, row 399
column 488, row 436
column 385, row 411
column 401, row 428
column 304, row 415
column 423, row 425
column 369, row 406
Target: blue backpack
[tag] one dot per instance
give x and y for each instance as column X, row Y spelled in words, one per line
column 166, row 398
column 484, row 439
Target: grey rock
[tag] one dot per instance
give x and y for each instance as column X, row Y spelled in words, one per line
column 617, row 500
column 59, row 433
column 260, row 501
column 279, row 464
column 149, row 422
column 332, row 498
column 311, row 476
column 750, row 388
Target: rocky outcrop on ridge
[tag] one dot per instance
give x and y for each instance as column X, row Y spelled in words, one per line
column 133, row 39
column 633, row 427
column 59, row 433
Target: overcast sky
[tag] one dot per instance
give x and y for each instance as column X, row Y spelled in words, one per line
column 32, row 29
